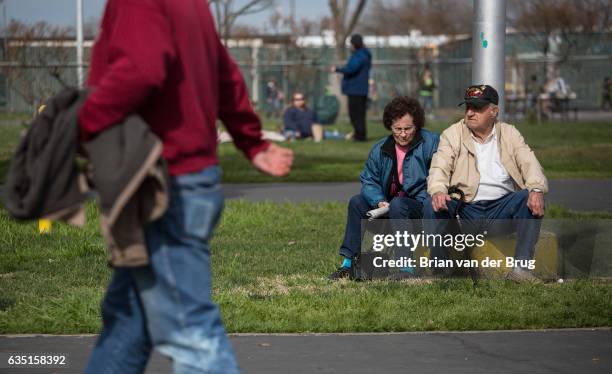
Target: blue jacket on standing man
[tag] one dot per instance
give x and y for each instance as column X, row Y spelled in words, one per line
column 356, row 73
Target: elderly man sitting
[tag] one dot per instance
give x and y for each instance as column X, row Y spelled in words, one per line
column 499, row 174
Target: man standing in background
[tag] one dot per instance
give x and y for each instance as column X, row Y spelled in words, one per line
column 163, row 60
column 356, row 74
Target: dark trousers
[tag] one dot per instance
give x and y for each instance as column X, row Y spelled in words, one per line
column 400, row 208
column 507, row 214
column 357, row 113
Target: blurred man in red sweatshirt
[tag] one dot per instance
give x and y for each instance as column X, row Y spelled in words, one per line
column 163, row 60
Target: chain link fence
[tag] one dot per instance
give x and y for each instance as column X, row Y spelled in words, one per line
column 41, row 71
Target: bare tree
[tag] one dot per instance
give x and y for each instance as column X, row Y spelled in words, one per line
column 307, row 27
column 561, row 15
column 277, row 21
column 226, row 13
column 448, row 17
column 35, row 55
column 244, row 31
column 554, row 24
column 91, row 28
column 343, row 22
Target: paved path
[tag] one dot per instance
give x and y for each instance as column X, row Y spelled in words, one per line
column 577, row 194
column 556, row 351
column 587, row 195
column 561, row 351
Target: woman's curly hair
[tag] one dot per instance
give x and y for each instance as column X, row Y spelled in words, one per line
column 399, row 107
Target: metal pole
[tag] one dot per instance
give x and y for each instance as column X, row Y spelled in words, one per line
column 488, row 46
column 79, row 21
column 4, row 28
column 255, row 70
column 292, row 12
column 7, row 94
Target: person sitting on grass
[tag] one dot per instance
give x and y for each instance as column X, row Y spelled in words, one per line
column 394, row 176
column 497, row 171
column 300, row 121
column 328, row 107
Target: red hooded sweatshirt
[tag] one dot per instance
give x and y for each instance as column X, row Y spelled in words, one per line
column 163, row 60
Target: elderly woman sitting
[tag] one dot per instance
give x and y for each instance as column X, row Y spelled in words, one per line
column 395, row 175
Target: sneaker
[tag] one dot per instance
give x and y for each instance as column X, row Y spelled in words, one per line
column 520, row 275
column 341, row 272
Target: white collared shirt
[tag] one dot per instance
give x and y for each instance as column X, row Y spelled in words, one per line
column 495, row 182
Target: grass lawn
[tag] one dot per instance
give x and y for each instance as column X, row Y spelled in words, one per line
column 270, row 276
column 566, row 150
column 9, row 137
column 14, row 117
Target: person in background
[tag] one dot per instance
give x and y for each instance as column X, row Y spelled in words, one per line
column 606, row 90
column 355, row 76
column 300, row 122
column 373, row 96
column 328, row 107
column 274, row 99
column 163, row 60
column 532, row 91
column 426, row 90
column 558, row 94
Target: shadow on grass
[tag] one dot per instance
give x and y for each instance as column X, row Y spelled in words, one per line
column 4, row 166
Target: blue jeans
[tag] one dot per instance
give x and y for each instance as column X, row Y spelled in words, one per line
column 427, row 103
column 399, row 208
column 167, row 304
column 492, row 216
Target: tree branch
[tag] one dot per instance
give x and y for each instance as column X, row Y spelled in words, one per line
column 250, row 7
column 355, row 17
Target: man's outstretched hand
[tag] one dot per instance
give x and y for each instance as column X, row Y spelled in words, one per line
column 275, row 161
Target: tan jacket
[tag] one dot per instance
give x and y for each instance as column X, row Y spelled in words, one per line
column 130, row 178
column 454, row 164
